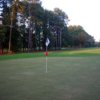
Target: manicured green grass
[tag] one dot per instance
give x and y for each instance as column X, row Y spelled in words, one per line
column 68, row 78
column 67, row 53
column 21, row 55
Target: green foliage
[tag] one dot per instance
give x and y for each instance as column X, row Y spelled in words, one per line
column 80, row 37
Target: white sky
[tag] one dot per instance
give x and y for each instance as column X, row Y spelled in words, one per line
column 81, row 12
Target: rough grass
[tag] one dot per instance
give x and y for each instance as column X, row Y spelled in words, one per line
column 68, row 53
column 68, row 78
column 88, row 51
column 78, row 52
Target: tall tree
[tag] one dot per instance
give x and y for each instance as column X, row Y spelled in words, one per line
column 61, row 24
column 3, row 29
column 15, row 7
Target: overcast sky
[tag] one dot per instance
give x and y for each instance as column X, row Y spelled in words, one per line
column 81, row 12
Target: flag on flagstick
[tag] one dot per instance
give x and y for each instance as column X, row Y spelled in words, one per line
column 46, row 53
column 47, row 43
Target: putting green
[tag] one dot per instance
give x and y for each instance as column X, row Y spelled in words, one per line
column 68, row 78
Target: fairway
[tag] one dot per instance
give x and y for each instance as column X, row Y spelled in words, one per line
column 68, row 78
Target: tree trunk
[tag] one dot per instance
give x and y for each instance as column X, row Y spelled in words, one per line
column 1, row 49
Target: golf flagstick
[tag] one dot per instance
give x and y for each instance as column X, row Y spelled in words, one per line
column 46, row 53
column 46, row 60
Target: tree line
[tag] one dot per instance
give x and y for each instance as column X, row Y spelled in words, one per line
column 25, row 25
